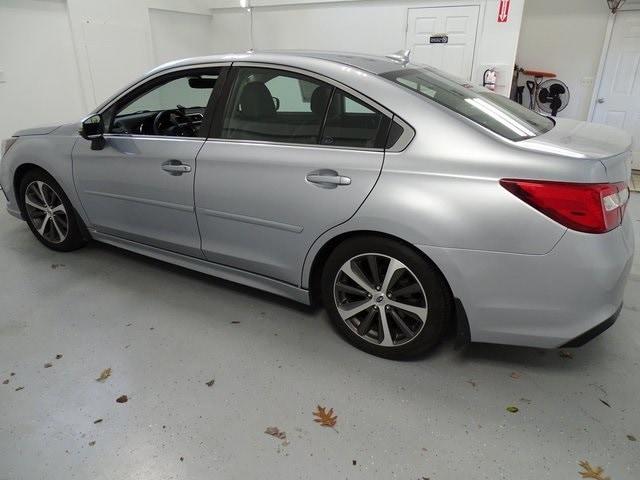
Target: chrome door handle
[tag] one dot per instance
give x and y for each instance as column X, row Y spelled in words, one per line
column 328, row 179
column 176, row 167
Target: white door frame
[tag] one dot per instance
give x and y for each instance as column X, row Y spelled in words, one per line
column 603, row 58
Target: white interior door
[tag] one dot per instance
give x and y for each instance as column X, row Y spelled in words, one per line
column 618, row 101
column 459, row 24
column 178, row 35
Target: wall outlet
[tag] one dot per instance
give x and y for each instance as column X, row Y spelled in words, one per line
column 587, row 82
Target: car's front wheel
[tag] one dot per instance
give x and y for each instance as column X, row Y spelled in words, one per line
column 385, row 298
column 49, row 212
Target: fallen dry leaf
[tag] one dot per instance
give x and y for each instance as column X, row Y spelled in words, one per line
column 515, row 375
column 182, row 459
column 106, row 373
column 58, row 356
column 48, row 365
column 210, row 382
column 512, row 409
column 19, row 388
column 276, row 432
column 97, row 421
column 632, row 438
column 325, row 418
column 605, row 402
column 91, row 444
column 472, row 383
column 591, row 472
column 12, row 374
column 122, row 399
column 5, row 382
column 565, row 354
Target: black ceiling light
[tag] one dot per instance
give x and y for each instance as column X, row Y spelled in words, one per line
column 614, row 5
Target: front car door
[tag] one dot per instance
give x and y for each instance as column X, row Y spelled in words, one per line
column 140, row 185
column 291, row 156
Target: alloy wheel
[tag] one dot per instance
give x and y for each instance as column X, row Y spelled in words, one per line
column 46, row 212
column 380, row 299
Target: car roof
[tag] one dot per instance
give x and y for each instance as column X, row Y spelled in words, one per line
column 375, row 64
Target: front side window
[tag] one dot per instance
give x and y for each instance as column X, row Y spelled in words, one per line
column 494, row 112
column 280, row 106
column 174, row 106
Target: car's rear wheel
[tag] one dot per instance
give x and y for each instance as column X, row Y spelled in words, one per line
column 385, row 298
column 49, row 213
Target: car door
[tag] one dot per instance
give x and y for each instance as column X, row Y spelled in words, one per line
column 290, row 157
column 139, row 186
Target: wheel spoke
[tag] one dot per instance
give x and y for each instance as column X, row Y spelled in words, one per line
column 373, row 266
column 59, row 208
column 420, row 312
column 390, row 274
column 33, row 204
column 408, row 290
column 384, row 334
column 365, row 325
column 351, row 309
column 41, row 193
column 400, row 323
column 351, row 270
column 349, row 289
column 43, row 226
column 58, row 231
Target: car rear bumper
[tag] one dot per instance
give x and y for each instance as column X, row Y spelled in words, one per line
column 562, row 298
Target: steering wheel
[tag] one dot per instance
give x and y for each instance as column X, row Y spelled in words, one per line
column 172, row 123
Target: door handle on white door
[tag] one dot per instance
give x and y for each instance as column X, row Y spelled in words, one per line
column 176, row 167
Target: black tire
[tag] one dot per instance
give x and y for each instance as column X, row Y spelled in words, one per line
column 434, row 289
column 74, row 237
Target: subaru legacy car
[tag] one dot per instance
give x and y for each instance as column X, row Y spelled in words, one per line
column 406, row 201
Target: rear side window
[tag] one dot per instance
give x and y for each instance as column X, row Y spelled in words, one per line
column 286, row 107
column 275, row 106
column 351, row 123
column 494, row 112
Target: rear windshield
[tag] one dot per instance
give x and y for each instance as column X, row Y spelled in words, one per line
column 495, row 112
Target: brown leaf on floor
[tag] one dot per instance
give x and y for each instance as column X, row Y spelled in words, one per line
column 325, row 417
column 97, row 421
column 512, row 409
column 515, row 375
column 565, row 354
column 182, row 459
column 58, row 356
column 353, row 462
column 122, row 399
column 472, row 383
column 632, row 438
column 276, row 432
column 106, row 373
column 12, row 374
column 591, row 472
column 5, row 382
column 48, row 365
column 91, row 444
column 19, row 388
column 210, row 382
column 605, row 403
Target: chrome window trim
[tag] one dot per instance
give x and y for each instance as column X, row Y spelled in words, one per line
column 151, row 137
column 297, row 145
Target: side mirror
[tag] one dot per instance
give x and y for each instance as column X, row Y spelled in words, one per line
column 276, row 103
column 93, row 129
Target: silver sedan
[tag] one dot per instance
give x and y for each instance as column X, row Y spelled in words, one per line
column 404, row 200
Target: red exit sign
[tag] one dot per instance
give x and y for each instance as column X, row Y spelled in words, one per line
column 503, row 10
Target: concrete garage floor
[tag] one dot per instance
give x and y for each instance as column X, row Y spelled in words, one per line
column 165, row 331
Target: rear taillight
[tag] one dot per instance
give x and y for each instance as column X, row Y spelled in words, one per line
column 585, row 207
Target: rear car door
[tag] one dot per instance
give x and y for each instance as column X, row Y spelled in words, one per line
column 140, row 185
column 291, row 156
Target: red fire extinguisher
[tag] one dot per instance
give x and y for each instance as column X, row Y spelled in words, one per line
column 489, row 79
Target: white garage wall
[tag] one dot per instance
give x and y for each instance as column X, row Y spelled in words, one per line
column 374, row 26
column 40, row 82
column 565, row 37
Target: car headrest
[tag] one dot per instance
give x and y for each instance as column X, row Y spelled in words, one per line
column 319, row 99
column 256, row 101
